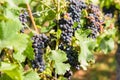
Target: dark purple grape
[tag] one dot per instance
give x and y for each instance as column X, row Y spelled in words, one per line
column 68, row 74
column 75, row 8
column 72, row 56
column 23, row 19
column 93, row 20
column 40, row 42
column 66, row 28
column 67, row 21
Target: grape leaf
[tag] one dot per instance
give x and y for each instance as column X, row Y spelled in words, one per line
column 48, row 28
column 5, row 77
column 9, row 10
column 31, row 75
column 51, row 15
column 10, row 3
column 29, row 51
column 7, row 66
column 21, row 1
column 14, row 2
column 59, row 57
column 106, row 45
column 85, row 52
column 11, row 38
column 62, row 78
column 12, row 70
column 19, row 56
column 11, row 14
column 84, row 55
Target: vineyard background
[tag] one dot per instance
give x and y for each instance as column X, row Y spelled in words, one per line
column 104, row 69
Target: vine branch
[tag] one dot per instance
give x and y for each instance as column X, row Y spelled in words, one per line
column 58, row 17
column 47, row 6
column 31, row 17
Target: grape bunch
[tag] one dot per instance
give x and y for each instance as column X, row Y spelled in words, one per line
column 65, row 24
column 110, row 10
column 40, row 42
column 68, row 19
column 23, row 19
column 72, row 56
column 94, row 21
column 75, row 8
column 68, row 74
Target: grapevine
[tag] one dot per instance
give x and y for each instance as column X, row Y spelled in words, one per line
column 51, row 39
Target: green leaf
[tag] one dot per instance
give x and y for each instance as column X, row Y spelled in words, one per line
column 62, row 78
column 48, row 28
column 11, row 38
column 29, row 51
column 5, row 77
column 19, row 56
column 8, row 28
column 118, row 41
column 9, row 11
column 59, row 57
column 58, row 34
column 21, row 1
column 31, row 76
column 7, row 66
column 10, row 3
column 12, row 70
column 117, row 6
column 51, row 15
column 11, row 14
column 106, row 45
column 85, row 55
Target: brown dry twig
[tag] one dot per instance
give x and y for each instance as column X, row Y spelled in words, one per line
column 31, row 17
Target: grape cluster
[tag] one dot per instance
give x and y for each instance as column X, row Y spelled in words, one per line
column 72, row 56
column 110, row 10
column 40, row 42
column 74, row 9
column 65, row 25
column 67, row 21
column 23, row 19
column 94, row 21
column 68, row 74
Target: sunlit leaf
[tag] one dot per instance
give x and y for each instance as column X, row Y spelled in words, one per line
column 59, row 57
column 12, row 70
column 31, row 76
column 11, row 38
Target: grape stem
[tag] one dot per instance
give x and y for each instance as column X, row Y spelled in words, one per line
column 41, row 12
column 47, row 6
column 31, row 17
column 58, row 9
column 58, row 17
